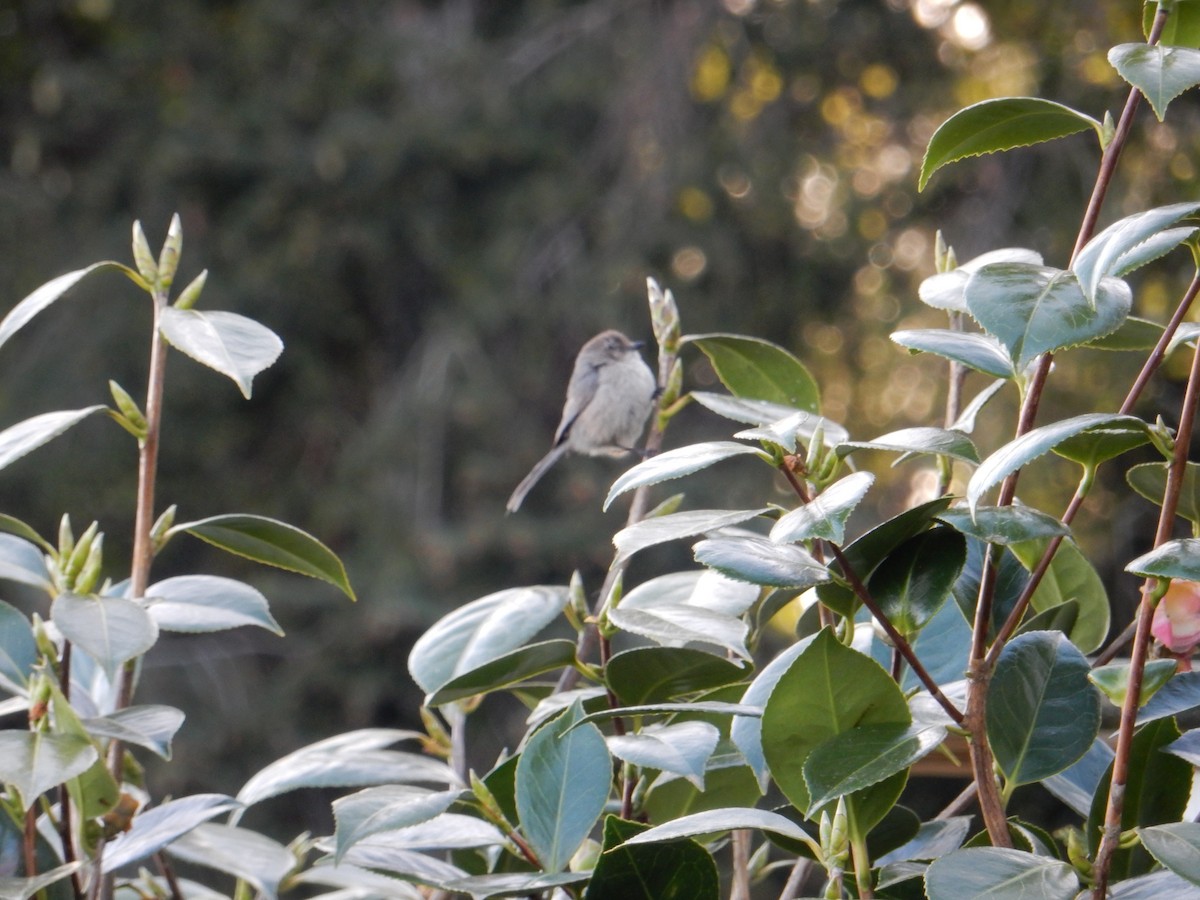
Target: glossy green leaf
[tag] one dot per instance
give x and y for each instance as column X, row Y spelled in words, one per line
column 1150, row 480
column 18, row 650
column 746, row 731
column 505, row 671
column 1004, row 524
column 447, row 831
column 826, row 514
column 1071, row 576
column 1001, row 124
column 692, row 707
column 1175, row 845
column 1077, row 785
column 42, row 297
column 1025, row 449
column 204, row 603
column 353, row 759
column 1033, row 310
column 682, row 748
column 761, row 561
column 944, row 290
column 23, row 562
column 25, row 437
column 702, row 588
column 726, row 786
column 676, row 624
column 1113, row 680
column 655, row 674
column 677, row 463
column 247, row 855
column 481, row 631
column 1156, row 792
column 719, row 820
column 980, row 352
column 1121, row 247
column 795, row 431
column 659, row 530
column 869, row 550
column 745, row 409
column 33, row 762
column 966, row 419
column 111, row 630
column 1178, row 695
column 938, row 441
column 1179, row 558
column 1062, row 617
column 563, row 781
column 671, row 870
column 913, row 582
column 933, row 839
column 237, row 347
column 1098, row 445
column 271, row 543
column 1011, row 578
column 994, row 873
column 860, row 757
column 1134, row 334
column 154, row 828
column 827, row 690
column 362, row 882
column 1043, row 713
column 1187, row 746
column 1160, row 72
column 759, row 370
column 151, row 726
column 385, row 808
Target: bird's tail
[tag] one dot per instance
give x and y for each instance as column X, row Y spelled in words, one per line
column 534, row 476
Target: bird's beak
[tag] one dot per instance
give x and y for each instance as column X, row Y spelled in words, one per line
column 637, row 345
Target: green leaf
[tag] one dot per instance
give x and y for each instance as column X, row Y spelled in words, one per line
column 933, row 839
column 226, row 342
column 702, row 588
column 682, row 748
column 725, row 786
column 1134, row 334
column 24, row 888
column 14, row 526
column 1150, row 480
column 385, row 808
column 1175, row 845
column 913, row 582
column 1174, row 559
column 1043, row 712
column 659, row 530
column 563, row 781
column 150, row 726
column 864, row 756
column 938, row 441
column 994, row 873
column 761, row 561
column 505, row 671
column 980, row 352
column 1000, row 124
column 1098, row 445
column 1029, row 446
column 944, row 290
column 826, row 514
column 1188, row 745
column 1178, row 695
column 271, row 543
column 204, row 603
column 743, row 409
column 353, row 759
column 1157, row 787
column 154, row 828
column 1160, row 72
column 966, row 419
column 1182, row 25
column 1113, row 680
column 1033, row 310
column 677, row 463
column 759, row 370
column 481, row 631
column 675, row 870
column 248, row 855
column 18, row 649
column 691, row 707
column 25, row 437
column 718, row 820
column 1120, row 247
column 111, row 630
column 827, row 690
column 33, row 762
column 655, row 674
column 746, row 731
column 1004, row 524
column 33, row 304
column 676, row 624
column 1070, row 577
column 24, row 562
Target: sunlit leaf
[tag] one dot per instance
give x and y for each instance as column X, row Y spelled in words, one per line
column 759, row 370
column 1134, row 334
column 1177, row 846
column 1071, row 577
column 1179, row 558
column 248, row 855
column 18, row 649
column 17, row 888
column 718, row 820
column 233, row 345
column 1113, row 680
column 981, row 352
column 155, row 828
column 682, row 748
column 150, row 726
column 1000, row 124
column 945, row 289
column 25, row 437
column 203, row 603
column 33, row 762
column 1160, row 72
column 677, row 463
column 1004, row 524
column 659, row 530
column 994, row 873
column 112, row 630
column 826, row 514
column 33, row 304
column 677, row 624
column 507, row 670
column 938, row 441
column 1124, row 245
column 1150, row 480
column 861, row 757
column 385, row 808
column 761, row 561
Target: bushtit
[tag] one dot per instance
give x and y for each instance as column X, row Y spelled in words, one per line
column 610, row 395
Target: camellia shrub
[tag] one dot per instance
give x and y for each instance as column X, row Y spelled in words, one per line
column 668, row 750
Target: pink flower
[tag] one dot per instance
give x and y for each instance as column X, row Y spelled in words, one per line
column 1177, row 618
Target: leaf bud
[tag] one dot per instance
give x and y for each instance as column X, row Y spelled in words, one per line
column 160, row 530
column 66, row 538
column 168, row 257
column 142, row 256
column 89, row 575
column 72, row 565
column 190, row 294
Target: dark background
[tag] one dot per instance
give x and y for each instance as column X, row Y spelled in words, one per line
column 434, row 204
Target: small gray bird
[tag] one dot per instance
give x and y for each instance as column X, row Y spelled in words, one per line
column 610, row 395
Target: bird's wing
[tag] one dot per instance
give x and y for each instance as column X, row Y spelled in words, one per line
column 584, row 381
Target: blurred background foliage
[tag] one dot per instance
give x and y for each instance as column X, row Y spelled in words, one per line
column 435, row 204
